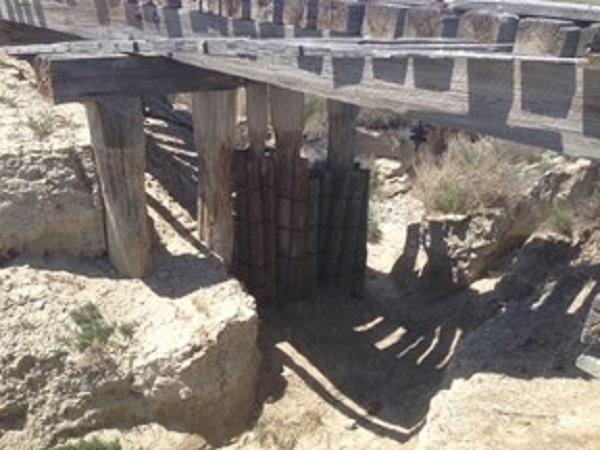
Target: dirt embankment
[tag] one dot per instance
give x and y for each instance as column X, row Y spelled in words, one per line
column 83, row 349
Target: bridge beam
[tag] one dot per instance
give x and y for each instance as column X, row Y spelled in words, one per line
column 71, row 78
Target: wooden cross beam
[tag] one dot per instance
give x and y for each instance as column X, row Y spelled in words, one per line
column 73, row 78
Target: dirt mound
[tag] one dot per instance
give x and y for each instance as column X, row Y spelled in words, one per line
column 513, row 382
column 181, row 349
column 49, row 199
column 82, row 349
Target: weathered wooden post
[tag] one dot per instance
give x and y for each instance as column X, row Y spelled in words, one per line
column 214, row 129
column 287, row 116
column 262, row 228
column 117, row 132
column 340, row 160
column 345, row 229
column 257, row 115
column 342, row 134
column 111, row 87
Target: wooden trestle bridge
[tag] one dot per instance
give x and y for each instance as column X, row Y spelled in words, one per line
column 528, row 75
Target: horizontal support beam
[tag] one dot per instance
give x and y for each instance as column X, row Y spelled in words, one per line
column 72, row 78
column 17, row 34
column 286, row 48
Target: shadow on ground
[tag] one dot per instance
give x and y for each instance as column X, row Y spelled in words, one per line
column 381, row 359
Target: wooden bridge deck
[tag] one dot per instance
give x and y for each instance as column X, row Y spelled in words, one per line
column 549, row 101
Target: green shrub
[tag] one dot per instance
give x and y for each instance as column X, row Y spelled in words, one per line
column 315, row 116
column 560, row 218
column 42, row 125
column 127, row 329
column 469, row 176
column 93, row 329
column 451, row 196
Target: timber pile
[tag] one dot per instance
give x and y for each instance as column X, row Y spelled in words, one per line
column 342, row 237
column 253, row 193
column 306, row 229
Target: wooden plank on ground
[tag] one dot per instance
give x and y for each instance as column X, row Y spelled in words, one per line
column 214, row 116
column 117, row 133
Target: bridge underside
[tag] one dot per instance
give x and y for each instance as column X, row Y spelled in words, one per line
column 449, row 74
column 290, row 225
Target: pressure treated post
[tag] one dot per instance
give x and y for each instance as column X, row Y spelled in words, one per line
column 214, row 128
column 257, row 115
column 117, row 133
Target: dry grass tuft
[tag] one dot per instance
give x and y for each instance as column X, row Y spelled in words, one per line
column 468, row 177
column 42, row 125
column 560, row 218
column 278, row 434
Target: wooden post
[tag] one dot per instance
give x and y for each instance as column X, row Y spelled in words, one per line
column 313, row 233
column 256, row 226
column 270, row 236
column 287, row 116
column 257, row 115
column 342, row 134
column 214, row 129
column 360, row 262
column 117, row 133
